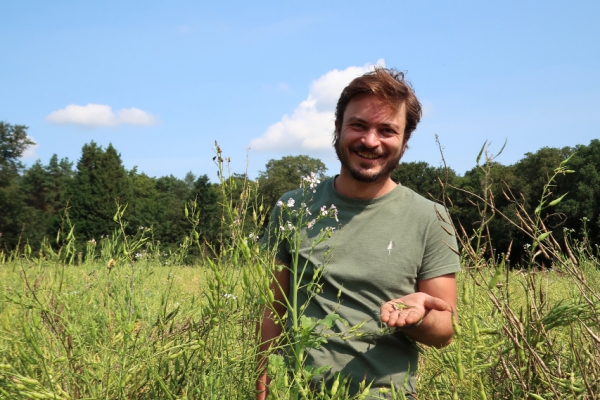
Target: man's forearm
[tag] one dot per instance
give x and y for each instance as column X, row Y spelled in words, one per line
column 270, row 328
column 434, row 330
column 269, row 331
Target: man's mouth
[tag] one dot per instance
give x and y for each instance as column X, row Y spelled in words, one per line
column 370, row 156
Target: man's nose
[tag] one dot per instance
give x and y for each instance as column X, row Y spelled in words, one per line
column 371, row 138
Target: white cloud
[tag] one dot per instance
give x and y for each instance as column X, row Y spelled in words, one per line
column 30, row 152
column 100, row 115
column 311, row 124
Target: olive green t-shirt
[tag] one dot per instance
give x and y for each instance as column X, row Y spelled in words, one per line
column 379, row 249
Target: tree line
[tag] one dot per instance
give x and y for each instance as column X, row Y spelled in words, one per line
column 35, row 201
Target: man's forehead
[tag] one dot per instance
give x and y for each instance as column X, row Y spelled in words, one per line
column 367, row 107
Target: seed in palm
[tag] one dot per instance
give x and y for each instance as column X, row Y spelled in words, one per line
column 398, row 305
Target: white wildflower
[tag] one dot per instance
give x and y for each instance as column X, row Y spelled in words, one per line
column 335, row 212
column 290, row 202
column 312, row 223
column 279, row 203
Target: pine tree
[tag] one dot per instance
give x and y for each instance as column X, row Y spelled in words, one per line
column 100, row 183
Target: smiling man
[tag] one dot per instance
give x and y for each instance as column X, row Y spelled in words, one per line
column 394, row 252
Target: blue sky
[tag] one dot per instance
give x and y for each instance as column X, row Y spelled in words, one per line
column 162, row 81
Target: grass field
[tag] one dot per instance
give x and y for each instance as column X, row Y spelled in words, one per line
column 144, row 330
column 124, row 319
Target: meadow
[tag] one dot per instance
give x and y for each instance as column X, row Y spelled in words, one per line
column 125, row 319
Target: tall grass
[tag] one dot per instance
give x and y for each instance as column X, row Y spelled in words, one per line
column 124, row 319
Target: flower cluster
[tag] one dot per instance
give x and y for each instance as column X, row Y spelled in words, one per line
column 290, row 203
column 288, row 227
column 308, row 182
column 311, row 181
column 332, row 211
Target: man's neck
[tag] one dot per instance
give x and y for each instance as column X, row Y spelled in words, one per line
column 347, row 186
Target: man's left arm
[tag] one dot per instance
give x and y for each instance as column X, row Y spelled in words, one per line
column 425, row 316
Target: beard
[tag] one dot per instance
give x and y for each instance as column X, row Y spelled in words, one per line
column 365, row 176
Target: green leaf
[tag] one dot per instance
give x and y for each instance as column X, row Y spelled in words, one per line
column 503, row 146
column 330, row 319
column 480, row 153
column 307, row 323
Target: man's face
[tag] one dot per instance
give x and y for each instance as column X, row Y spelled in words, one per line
column 370, row 139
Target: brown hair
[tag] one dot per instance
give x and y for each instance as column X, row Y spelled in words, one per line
column 390, row 87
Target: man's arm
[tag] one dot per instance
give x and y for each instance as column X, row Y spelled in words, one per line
column 430, row 308
column 268, row 329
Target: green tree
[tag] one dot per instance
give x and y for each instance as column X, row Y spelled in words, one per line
column 14, row 213
column 172, row 193
column 469, row 213
column 34, row 186
column 43, row 190
column 13, row 142
column 145, row 209
column 207, row 198
column 583, row 187
column 283, row 175
column 61, row 174
column 424, row 179
column 99, row 183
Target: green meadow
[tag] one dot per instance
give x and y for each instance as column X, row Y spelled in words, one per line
column 125, row 319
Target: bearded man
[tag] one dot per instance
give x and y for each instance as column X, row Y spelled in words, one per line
column 391, row 259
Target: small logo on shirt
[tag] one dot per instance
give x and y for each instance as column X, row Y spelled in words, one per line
column 389, row 248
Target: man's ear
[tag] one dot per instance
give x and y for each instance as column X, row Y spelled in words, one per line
column 337, row 127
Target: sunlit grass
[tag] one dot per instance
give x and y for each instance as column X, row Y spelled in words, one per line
column 126, row 320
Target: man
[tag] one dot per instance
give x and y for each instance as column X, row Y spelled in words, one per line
column 392, row 254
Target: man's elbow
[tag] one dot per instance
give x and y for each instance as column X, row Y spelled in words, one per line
column 443, row 343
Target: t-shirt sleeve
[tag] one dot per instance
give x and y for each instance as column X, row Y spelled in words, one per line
column 272, row 240
column 441, row 250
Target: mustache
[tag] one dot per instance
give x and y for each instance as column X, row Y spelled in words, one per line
column 364, row 149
